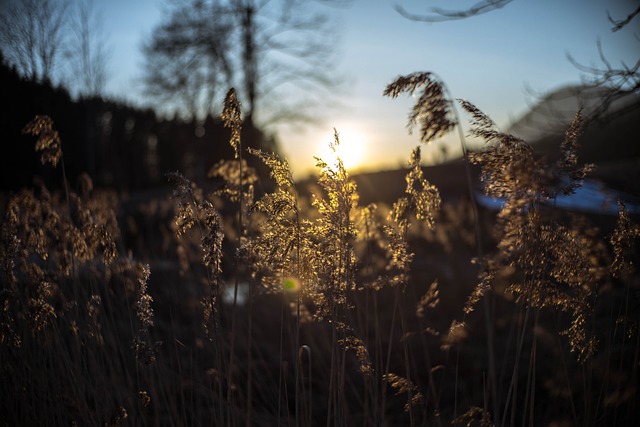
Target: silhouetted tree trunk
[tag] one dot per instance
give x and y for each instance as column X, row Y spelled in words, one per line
column 250, row 62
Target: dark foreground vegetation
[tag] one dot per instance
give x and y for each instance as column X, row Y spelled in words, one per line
column 278, row 303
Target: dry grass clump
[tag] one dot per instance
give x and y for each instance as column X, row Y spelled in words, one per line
column 553, row 265
column 622, row 240
column 560, row 267
column 64, row 289
column 48, row 139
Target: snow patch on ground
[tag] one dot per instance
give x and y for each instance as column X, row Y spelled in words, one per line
column 591, row 197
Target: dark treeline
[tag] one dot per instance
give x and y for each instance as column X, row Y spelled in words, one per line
column 119, row 146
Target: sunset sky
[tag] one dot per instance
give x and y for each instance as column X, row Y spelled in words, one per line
column 495, row 61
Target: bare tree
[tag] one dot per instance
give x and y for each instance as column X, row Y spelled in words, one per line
column 32, row 33
column 262, row 47
column 87, row 50
column 50, row 40
column 189, row 57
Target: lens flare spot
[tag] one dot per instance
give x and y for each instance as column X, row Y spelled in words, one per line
column 291, row 284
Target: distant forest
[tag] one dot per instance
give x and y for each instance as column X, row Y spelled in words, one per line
column 119, row 146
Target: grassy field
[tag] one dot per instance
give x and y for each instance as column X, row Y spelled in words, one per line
column 382, row 299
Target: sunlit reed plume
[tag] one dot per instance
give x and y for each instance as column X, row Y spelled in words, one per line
column 432, row 110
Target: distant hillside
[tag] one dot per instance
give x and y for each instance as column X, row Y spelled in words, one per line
column 554, row 112
column 387, row 186
column 610, row 142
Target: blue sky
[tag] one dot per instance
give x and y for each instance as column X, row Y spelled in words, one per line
column 490, row 60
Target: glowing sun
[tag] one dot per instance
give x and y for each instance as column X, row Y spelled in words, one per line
column 350, row 151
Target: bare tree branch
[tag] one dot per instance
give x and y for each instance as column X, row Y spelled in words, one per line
column 618, row 25
column 621, row 81
column 439, row 15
